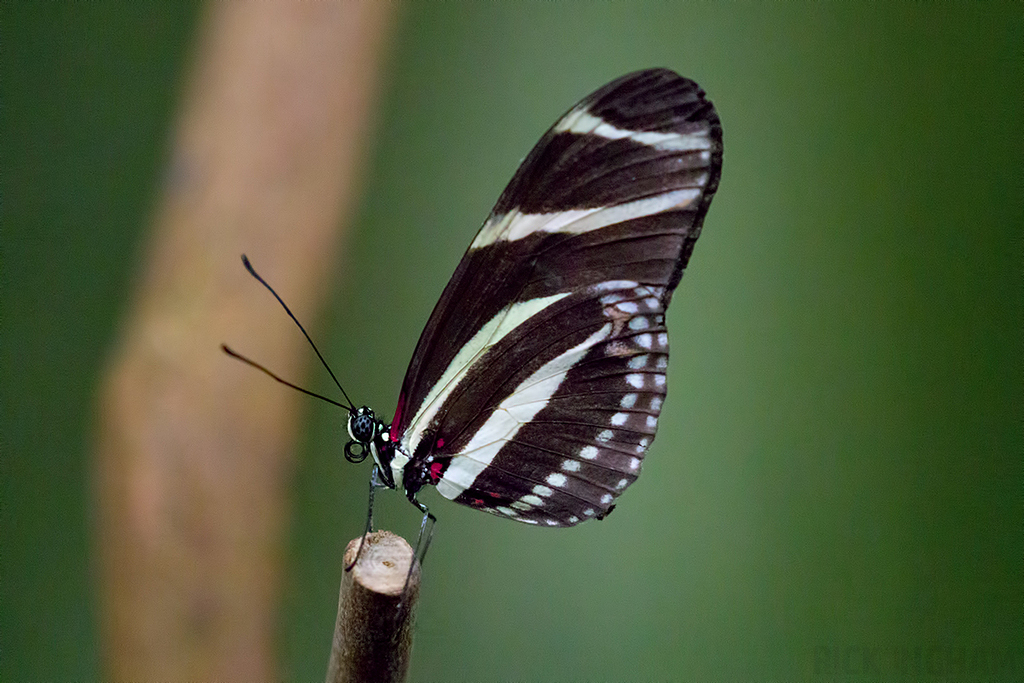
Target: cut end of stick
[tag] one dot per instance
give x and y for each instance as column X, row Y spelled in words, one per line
column 384, row 564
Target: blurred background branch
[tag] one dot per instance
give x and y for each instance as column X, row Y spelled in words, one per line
column 195, row 452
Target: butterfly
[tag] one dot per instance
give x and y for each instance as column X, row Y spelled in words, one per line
column 536, row 386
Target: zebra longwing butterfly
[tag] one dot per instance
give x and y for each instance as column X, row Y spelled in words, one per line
column 535, row 389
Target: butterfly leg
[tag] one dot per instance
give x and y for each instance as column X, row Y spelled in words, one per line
column 422, row 542
column 376, row 482
column 426, row 531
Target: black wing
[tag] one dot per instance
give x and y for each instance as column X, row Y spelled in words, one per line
column 535, row 388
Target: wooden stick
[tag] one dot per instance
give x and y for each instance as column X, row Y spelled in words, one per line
column 373, row 632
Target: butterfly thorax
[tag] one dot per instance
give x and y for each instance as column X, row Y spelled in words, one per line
column 425, row 467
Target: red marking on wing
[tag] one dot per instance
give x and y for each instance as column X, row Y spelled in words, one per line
column 398, row 418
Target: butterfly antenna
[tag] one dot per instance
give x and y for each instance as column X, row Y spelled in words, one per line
column 252, row 271
column 234, row 354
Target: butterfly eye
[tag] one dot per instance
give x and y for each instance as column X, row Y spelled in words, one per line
column 362, row 426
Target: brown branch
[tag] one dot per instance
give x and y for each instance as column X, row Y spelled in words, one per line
column 194, row 450
column 373, row 632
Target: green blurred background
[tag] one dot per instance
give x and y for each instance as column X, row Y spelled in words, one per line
column 836, row 491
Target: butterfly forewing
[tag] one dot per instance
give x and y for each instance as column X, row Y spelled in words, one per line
column 536, row 386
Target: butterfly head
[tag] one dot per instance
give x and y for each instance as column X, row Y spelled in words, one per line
column 369, row 436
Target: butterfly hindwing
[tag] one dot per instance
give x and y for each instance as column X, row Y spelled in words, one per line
column 536, row 386
column 579, row 441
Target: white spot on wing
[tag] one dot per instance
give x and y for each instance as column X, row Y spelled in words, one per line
column 588, row 452
column 619, row 419
column 604, row 436
column 645, row 340
column 627, row 306
column 637, row 362
column 636, row 381
column 611, row 285
column 606, row 498
column 628, row 401
column 542, row 490
column 571, row 465
column 639, row 323
column 556, row 479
